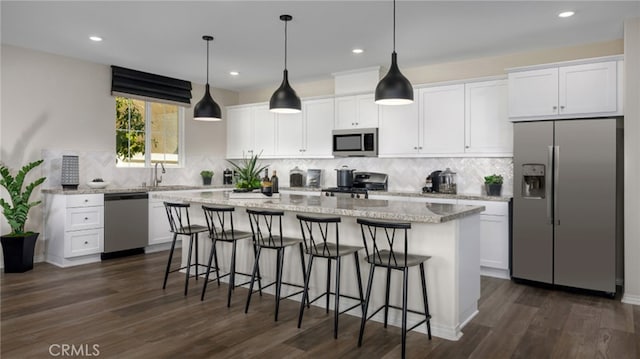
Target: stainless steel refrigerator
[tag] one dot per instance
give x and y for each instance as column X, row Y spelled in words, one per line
column 566, row 193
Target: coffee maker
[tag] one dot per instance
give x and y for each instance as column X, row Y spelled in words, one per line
column 434, row 179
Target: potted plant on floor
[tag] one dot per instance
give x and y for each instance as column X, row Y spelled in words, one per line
column 248, row 173
column 493, row 184
column 18, row 246
column 206, row 177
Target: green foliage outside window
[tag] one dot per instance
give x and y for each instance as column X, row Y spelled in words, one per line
column 130, row 128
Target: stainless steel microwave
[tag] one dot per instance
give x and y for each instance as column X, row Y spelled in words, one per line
column 359, row 142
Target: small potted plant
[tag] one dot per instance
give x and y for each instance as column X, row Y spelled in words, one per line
column 18, row 246
column 206, row 177
column 248, row 173
column 493, row 184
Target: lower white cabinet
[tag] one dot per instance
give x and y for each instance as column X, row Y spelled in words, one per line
column 159, row 229
column 74, row 228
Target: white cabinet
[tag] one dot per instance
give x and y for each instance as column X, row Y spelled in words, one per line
column 399, row 132
column 494, row 237
column 74, row 228
column 442, row 119
column 306, row 134
column 580, row 90
column 358, row 111
column 250, row 130
column 159, row 228
column 487, row 128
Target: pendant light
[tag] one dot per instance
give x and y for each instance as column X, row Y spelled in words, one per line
column 285, row 99
column 207, row 109
column 394, row 88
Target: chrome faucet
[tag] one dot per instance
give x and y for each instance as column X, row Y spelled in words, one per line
column 157, row 181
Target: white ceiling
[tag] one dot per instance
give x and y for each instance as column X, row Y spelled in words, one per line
column 165, row 37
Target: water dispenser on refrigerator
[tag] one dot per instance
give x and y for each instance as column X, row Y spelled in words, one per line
column 533, row 180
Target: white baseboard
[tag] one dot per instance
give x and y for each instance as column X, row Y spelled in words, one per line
column 631, row 299
column 494, row 272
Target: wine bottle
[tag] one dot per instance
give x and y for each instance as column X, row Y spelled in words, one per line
column 266, row 183
column 274, row 182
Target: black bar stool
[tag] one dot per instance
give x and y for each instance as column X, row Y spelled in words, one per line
column 178, row 215
column 266, row 227
column 315, row 233
column 380, row 234
column 221, row 229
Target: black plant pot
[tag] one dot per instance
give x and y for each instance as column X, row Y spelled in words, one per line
column 206, row 181
column 18, row 252
column 493, row 189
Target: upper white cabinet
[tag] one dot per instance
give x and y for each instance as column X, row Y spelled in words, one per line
column 306, row 134
column 399, row 131
column 580, row 90
column 442, row 119
column 250, row 130
column 487, row 126
column 357, row 111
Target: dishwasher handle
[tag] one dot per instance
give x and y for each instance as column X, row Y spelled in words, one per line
column 125, row 196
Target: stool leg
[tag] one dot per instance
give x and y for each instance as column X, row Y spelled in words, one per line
column 232, row 274
column 355, row 255
column 255, row 252
column 303, row 272
column 336, row 310
column 206, row 276
column 186, row 282
column 426, row 301
column 366, row 304
column 279, row 265
column 215, row 261
column 386, row 298
column 166, row 273
column 405, row 280
column 305, row 293
column 197, row 263
column 253, row 278
column 327, row 293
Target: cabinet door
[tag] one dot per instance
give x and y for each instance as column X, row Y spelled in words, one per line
column 264, row 131
column 159, row 228
column 588, row 88
column 533, row 93
column 494, row 235
column 239, row 132
column 318, row 124
column 290, row 134
column 487, row 126
column 367, row 111
column 346, row 110
column 81, row 243
column 442, row 119
column 398, row 134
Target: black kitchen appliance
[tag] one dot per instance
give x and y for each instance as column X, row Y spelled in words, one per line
column 435, row 181
column 363, row 182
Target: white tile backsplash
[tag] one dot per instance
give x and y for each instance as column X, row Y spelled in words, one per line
column 405, row 174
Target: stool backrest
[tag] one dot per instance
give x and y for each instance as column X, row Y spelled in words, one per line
column 315, row 234
column 219, row 221
column 381, row 235
column 265, row 231
column 178, row 215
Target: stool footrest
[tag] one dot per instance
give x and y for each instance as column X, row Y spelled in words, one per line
column 428, row 316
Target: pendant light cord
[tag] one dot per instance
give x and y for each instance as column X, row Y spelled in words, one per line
column 207, row 62
column 285, row 44
column 394, row 25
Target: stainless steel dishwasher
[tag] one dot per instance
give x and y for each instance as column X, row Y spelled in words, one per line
column 126, row 224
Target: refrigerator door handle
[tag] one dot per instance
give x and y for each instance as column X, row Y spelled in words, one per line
column 556, row 178
column 548, row 184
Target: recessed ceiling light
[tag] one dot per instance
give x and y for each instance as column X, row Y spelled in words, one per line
column 95, row 38
column 234, row 73
column 566, row 14
column 357, row 51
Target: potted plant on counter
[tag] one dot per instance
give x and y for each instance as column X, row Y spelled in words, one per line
column 493, row 184
column 18, row 246
column 206, row 177
column 248, row 173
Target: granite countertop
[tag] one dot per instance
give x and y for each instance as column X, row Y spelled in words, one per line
column 463, row 196
column 342, row 206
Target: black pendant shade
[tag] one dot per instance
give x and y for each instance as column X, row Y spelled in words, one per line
column 207, row 109
column 394, row 88
column 285, row 99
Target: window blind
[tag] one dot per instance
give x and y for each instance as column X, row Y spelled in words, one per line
column 143, row 84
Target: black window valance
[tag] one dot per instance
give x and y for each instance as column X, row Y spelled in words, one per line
column 143, row 84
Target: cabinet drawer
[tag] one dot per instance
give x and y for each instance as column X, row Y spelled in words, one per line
column 80, row 243
column 84, row 218
column 84, row 200
column 492, row 208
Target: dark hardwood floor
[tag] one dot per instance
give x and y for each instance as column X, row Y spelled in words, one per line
column 119, row 306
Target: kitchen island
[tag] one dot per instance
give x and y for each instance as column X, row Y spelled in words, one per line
column 448, row 233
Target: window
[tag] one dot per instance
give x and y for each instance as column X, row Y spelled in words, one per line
column 148, row 132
